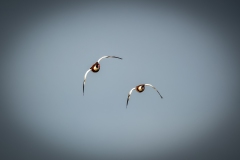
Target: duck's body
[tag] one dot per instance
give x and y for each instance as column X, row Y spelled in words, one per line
column 140, row 88
column 95, row 68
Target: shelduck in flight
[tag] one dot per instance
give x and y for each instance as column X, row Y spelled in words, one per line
column 95, row 68
column 140, row 88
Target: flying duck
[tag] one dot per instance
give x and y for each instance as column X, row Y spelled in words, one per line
column 140, row 88
column 95, row 68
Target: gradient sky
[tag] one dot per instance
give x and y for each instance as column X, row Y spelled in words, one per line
column 186, row 55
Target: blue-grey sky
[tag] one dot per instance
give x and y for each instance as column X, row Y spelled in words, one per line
column 186, row 56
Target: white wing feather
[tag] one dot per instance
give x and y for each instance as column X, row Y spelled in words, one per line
column 102, row 58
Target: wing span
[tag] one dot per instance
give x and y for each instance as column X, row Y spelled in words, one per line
column 85, row 77
column 129, row 94
column 108, row 57
column 153, row 88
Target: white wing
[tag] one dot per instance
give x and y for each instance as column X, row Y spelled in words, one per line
column 108, row 57
column 129, row 94
column 84, row 81
column 153, row 88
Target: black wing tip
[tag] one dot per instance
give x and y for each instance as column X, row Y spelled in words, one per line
column 83, row 88
column 161, row 96
column 127, row 101
column 115, row 57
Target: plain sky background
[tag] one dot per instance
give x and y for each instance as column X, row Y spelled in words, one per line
column 189, row 54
